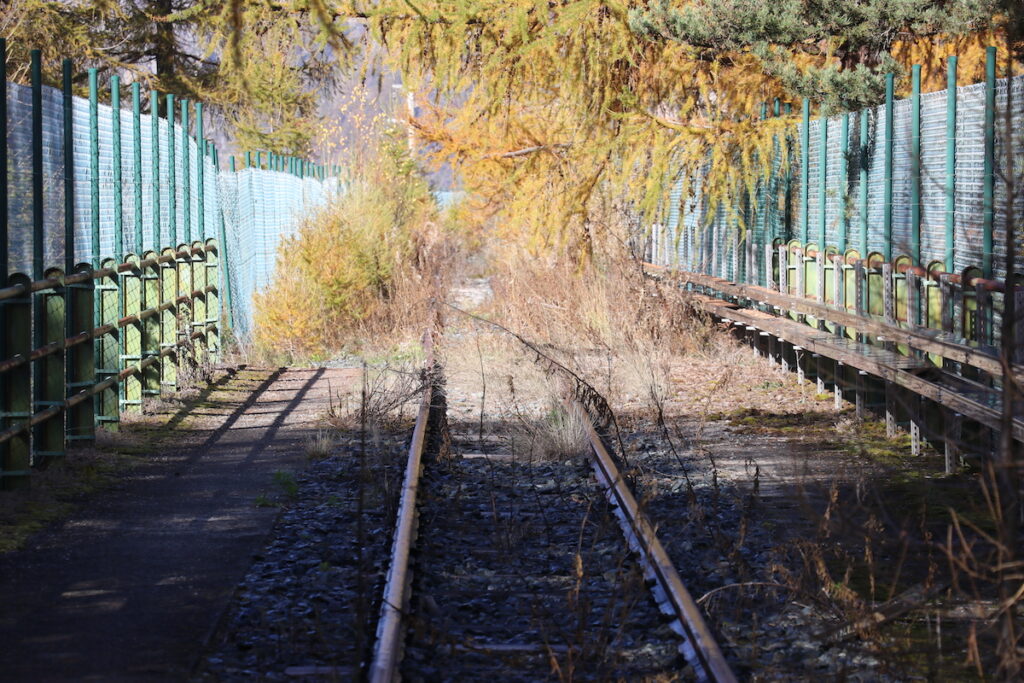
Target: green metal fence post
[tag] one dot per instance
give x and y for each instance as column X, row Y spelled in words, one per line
column 988, row 201
column 4, row 408
column 199, row 271
column 77, row 360
column 915, row 165
column 137, row 157
column 94, row 218
column 890, row 87
column 200, row 173
column 4, row 245
column 38, row 236
column 787, row 202
column 186, row 175
column 94, row 167
column 151, row 275
column 108, row 291
column 172, row 186
column 248, row 159
column 224, row 281
column 805, row 171
column 185, row 283
column 47, row 439
column 822, row 180
column 232, row 162
column 154, row 145
column 862, row 184
column 119, row 250
column 134, row 282
column 950, row 162
column 844, row 181
column 81, row 311
column 986, row 312
column 771, row 199
column 115, row 125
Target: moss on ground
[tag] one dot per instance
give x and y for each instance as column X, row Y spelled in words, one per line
column 56, row 492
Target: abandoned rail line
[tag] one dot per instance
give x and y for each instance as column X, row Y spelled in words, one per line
column 545, row 590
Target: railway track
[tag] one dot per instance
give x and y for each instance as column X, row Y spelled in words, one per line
column 510, row 566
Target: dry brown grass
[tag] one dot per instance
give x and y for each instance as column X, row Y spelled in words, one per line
column 624, row 334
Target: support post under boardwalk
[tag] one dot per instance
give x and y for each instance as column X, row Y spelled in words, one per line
column 819, row 377
column 860, row 397
column 839, row 379
column 951, row 437
column 890, row 410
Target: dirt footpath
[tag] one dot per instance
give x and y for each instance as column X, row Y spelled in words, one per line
column 130, row 586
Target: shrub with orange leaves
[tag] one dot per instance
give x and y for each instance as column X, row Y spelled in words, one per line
column 349, row 263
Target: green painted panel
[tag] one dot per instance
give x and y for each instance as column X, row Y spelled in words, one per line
column 131, row 284
column 81, row 420
column 168, row 323
column 49, row 436
column 15, row 401
column 151, row 328
column 108, row 348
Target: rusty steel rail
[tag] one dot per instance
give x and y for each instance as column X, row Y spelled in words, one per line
column 700, row 648
column 387, row 652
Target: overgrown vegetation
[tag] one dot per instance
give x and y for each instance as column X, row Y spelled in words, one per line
column 364, row 269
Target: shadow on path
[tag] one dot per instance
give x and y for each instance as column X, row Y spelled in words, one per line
column 128, row 588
